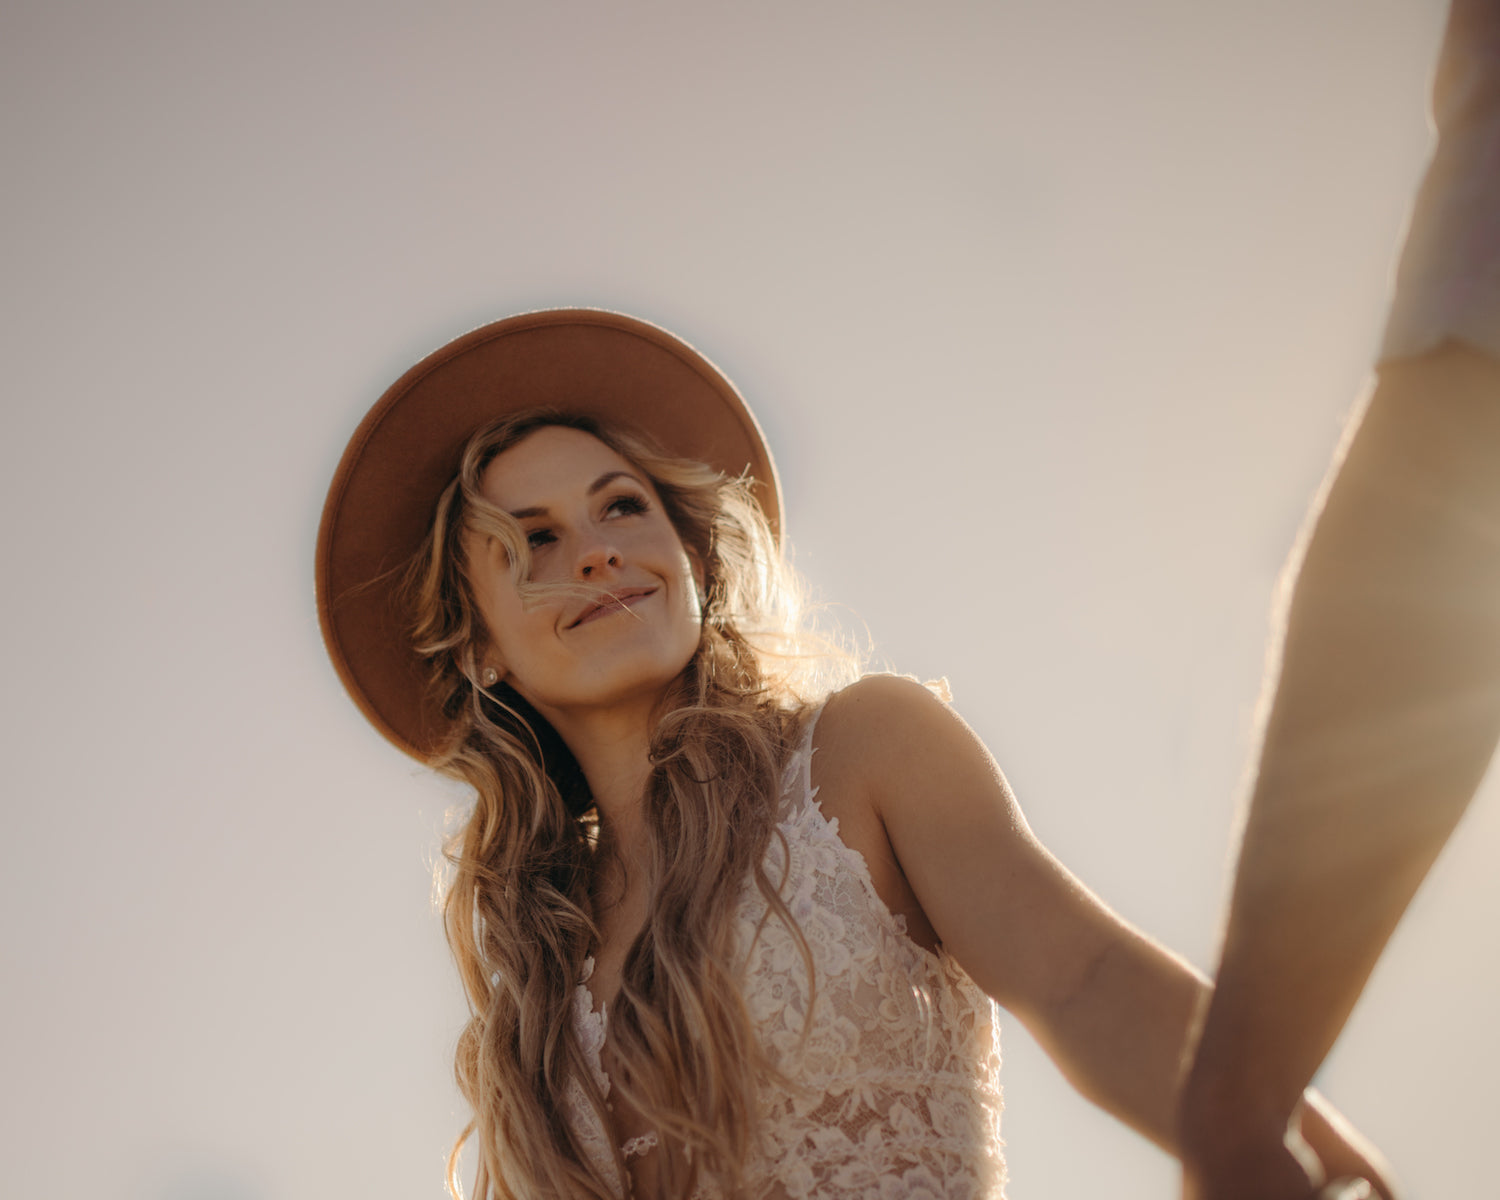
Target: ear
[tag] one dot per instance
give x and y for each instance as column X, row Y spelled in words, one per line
column 489, row 674
column 485, row 668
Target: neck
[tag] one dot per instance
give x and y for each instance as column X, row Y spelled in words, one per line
column 612, row 748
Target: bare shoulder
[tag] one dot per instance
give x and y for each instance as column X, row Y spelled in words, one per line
column 919, row 784
column 883, row 714
column 888, row 733
column 856, row 743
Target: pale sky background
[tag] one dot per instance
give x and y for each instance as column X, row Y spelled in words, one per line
column 1052, row 312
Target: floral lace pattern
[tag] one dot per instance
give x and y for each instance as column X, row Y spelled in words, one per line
column 897, row 1073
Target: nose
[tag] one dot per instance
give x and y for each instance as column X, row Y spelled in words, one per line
column 597, row 556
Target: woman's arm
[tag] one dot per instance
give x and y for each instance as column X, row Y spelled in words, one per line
column 1112, row 1007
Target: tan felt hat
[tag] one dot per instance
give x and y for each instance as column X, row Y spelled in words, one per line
column 406, row 451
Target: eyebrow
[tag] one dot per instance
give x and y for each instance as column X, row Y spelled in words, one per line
column 540, row 510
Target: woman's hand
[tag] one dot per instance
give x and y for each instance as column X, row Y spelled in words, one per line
column 1319, row 1157
column 1272, row 1172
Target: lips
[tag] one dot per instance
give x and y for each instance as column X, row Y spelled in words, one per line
column 613, row 602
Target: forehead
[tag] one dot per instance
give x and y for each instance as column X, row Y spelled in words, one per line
column 548, row 467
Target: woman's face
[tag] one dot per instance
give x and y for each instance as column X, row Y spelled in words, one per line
column 592, row 519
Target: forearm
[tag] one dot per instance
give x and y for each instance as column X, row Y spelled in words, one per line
column 1388, row 705
column 1121, row 1039
column 1385, row 717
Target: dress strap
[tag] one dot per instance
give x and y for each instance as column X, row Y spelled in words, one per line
column 804, row 749
column 796, row 777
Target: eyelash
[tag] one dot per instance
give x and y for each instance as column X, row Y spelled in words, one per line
column 629, row 506
column 624, row 506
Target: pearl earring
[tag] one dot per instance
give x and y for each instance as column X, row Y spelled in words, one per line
column 489, row 677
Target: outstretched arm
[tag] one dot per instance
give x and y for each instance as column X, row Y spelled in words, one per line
column 1388, row 704
column 1384, row 720
column 1112, row 1007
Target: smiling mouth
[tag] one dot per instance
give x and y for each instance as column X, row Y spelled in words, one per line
column 612, row 603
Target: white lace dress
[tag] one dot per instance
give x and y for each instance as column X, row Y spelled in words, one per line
column 898, row 1079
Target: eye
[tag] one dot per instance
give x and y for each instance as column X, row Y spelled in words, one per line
column 627, row 505
column 537, row 538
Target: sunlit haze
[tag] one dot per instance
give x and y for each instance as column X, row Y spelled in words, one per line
column 1052, row 313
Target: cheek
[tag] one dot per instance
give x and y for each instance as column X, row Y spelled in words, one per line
column 504, row 617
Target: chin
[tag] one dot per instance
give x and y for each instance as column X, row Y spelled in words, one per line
column 625, row 682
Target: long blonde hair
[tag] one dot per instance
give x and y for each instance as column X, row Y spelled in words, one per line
column 518, row 909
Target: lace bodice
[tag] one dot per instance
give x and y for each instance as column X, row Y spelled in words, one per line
column 898, row 1088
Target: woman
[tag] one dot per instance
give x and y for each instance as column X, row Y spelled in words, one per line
column 724, row 928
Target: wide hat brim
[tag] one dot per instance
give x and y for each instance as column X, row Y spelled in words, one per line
column 405, row 452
